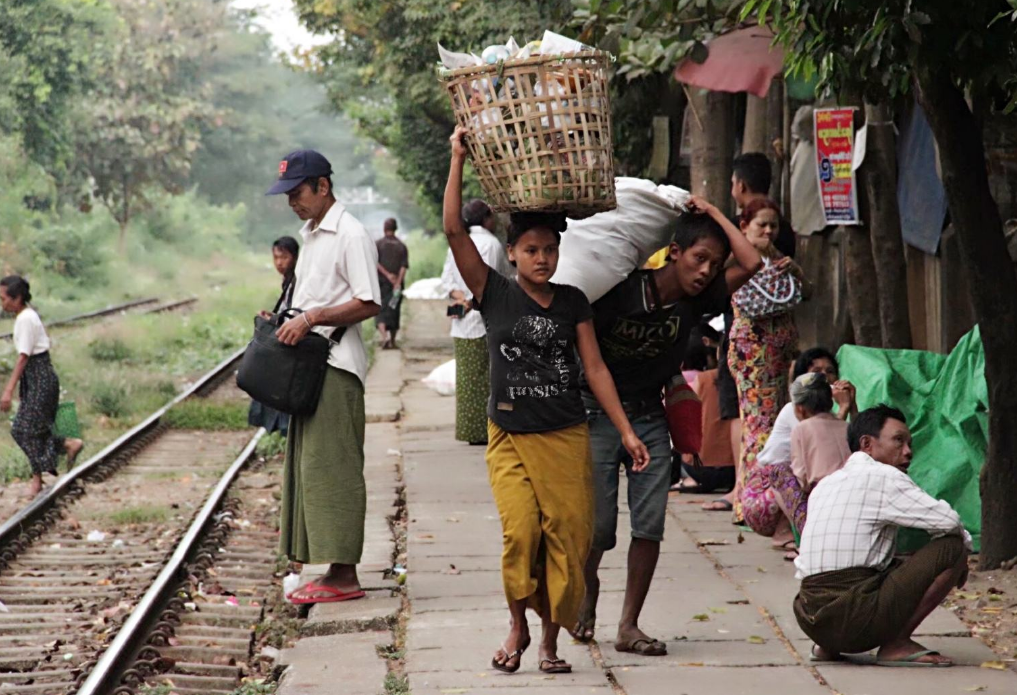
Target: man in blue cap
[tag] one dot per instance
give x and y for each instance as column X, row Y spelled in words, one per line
column 324, row 495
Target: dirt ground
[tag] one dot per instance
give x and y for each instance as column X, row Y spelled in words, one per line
column 988, row 604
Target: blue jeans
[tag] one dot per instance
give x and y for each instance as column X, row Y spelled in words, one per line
column 647, row 490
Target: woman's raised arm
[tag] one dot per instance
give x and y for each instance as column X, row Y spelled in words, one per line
column 464, row 251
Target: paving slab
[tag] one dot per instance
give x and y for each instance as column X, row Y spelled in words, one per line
column 318, row 664
column 719, row 680
column 376, row 611
column 876, row 680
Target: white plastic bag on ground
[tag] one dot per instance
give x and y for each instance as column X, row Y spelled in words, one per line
column 600, row 251
column 428, row 288
column 442, row 379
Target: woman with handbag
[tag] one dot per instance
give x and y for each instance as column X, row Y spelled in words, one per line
column 763, row 341
column 38, row 387
column 538, row 451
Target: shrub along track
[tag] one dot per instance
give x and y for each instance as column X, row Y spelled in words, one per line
column 77, row 561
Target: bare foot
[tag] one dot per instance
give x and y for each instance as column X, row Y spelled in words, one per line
column 902, row 650
column 634, row 640
column 73, row 447
column 585, row 627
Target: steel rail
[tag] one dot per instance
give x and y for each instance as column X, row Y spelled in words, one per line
column 115, row 309
column 117, row 658
column 16, row 525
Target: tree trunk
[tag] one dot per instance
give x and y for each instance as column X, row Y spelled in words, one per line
column 884, row 227
column 863, row 306
column 712, row 146
column 860, row 270
column 774, row 134
column 754, row 135
column 993, row 285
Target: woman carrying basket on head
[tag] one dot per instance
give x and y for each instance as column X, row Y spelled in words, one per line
column 538, row 452
column 38, row 387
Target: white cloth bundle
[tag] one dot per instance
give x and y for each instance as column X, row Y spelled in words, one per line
column 600, row 251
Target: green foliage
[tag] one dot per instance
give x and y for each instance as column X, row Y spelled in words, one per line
column 198, row 414
column 652, row 36
column 271, row 445
column 146, row 514
column 13, row 465
column 48, row 55
column 255, row 686
column 111, row 399
column 396, row 684
column 105, row 349
column 141, row 124
column 427, row 255
column 973, row 42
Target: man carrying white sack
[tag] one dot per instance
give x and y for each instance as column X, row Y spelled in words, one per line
column 643, row 326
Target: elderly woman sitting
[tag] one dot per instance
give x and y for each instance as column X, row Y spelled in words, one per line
column 818, row 447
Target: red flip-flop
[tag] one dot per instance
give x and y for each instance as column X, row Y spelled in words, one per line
column 336, row 594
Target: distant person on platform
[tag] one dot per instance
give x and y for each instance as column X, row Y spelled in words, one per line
column 285, row 252
column 38, row 387
column 324, row 498
column 751, row 175
column 393, row 262
column 469, row 335
column 855, row 595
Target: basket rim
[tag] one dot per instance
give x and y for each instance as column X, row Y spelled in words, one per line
column 446, row 75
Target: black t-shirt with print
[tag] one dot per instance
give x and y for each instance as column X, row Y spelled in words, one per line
column 534, row 365
column 643, row 344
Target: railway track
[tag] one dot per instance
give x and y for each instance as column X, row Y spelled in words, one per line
column 161, row 568
column 149, row 305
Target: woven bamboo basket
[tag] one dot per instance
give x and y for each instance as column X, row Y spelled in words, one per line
column 539, row 131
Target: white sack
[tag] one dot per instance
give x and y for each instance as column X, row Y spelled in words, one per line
column 428, row 288
column 600, row 251
column 442, row 379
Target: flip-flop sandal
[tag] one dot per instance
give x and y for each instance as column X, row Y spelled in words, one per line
column 334, row 594
column 814, row 658
column 556, row 666
column 791, row 556
column 725, row 506
column 912, row 661
column 517, row 655
column 651, row 647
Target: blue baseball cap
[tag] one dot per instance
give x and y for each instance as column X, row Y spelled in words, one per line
column 297, row 166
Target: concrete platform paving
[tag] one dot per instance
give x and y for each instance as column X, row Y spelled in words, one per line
column 721, row 598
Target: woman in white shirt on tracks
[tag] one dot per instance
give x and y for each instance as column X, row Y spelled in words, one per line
column 469, row 336
column 38, row 387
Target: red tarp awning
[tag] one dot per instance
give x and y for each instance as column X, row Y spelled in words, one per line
column 742, row 60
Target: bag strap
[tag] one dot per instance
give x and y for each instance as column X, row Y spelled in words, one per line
column 657, row 304
column 287, row 291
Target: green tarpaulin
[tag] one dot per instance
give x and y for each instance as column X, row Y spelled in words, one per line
column 946, row 402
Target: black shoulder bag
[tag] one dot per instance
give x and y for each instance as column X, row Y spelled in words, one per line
column 285, row 377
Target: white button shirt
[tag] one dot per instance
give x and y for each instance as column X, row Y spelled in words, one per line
column 854, row 515
column 337, row 264
column 493, row 253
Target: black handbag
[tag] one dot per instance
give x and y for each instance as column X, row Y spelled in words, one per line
column 285, row 377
